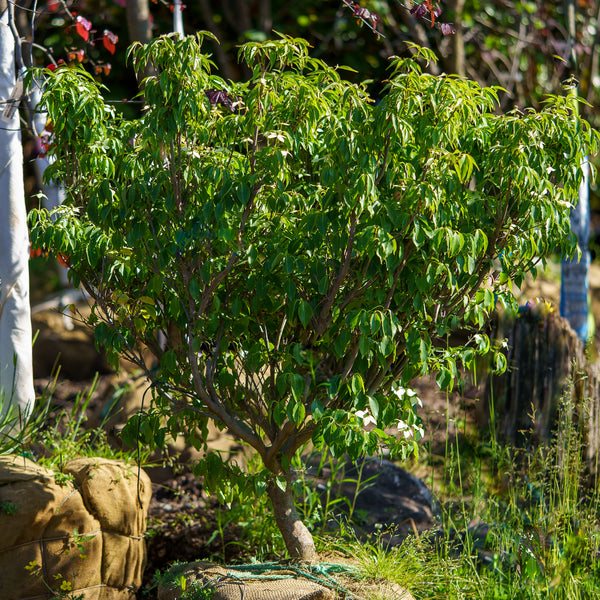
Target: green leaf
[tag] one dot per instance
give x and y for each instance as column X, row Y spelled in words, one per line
column 364, row 346
column 298, row 386
column 456, row 243
column 194, row 289
column 444, row 378
column 236, row 307
column 387, row 346
column 305, row 312
column 279, row 413
column 317, row 410
column 296, row 413
column 341, row 342
column 500, row 363
column 375, row 323
column 374, row 406
column 357, row 385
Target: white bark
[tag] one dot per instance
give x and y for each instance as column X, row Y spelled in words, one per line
column 178, row 17
column 16, row 369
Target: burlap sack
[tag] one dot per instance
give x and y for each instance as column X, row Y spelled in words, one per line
column 226, row 586
column 232, row 585
column 79, row 532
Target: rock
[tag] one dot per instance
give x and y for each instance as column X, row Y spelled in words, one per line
column 386, row 497
column 227, row 585
column 78, row 531
column 63, row 340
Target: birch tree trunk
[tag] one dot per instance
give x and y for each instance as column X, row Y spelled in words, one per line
column 16, row 372
column 139, row 28
column 138, row 21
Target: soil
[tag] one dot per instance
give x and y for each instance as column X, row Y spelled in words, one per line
column 181, row 528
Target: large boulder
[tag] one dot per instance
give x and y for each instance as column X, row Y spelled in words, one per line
column 78, row 531
column 391, row 502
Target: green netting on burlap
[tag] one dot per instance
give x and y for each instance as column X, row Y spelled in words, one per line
column 267, row 581
column 79, row 532
column 273, row 581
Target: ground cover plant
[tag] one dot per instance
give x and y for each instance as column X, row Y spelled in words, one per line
column 290, row 251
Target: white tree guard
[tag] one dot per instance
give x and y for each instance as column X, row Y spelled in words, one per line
column 16, row 369
column 178, row 17
column 575, row 286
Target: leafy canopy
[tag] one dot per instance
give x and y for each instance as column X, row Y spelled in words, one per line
column 293, row 252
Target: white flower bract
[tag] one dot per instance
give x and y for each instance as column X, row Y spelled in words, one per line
column 366, row 416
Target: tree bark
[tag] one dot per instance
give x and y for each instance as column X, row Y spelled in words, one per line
column 139, row 28
column 138, row 21
column 458, row 46
column 298, row 539
column 16, row 371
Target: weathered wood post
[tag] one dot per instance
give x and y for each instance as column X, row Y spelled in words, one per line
column 547, row 364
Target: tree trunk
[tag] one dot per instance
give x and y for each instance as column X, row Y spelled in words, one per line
column 458, row 42
column 574, row 281
column 574, row 305
column 139, row 29
column 298, row 540
column 16, row 372
column 138, row 21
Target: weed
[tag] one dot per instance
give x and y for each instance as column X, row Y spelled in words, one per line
column 63, row 479
column 64, row 591
column 529, row 527
column 8, row 508
column 413, row 565
column 518, row 524
column 53, row 435
column 174, row 578
column 245, row 521
column 79, row 540
column 321, row 501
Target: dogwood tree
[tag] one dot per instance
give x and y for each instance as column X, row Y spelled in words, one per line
column 291, row 253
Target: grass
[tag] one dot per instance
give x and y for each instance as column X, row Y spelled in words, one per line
column 55, row 435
